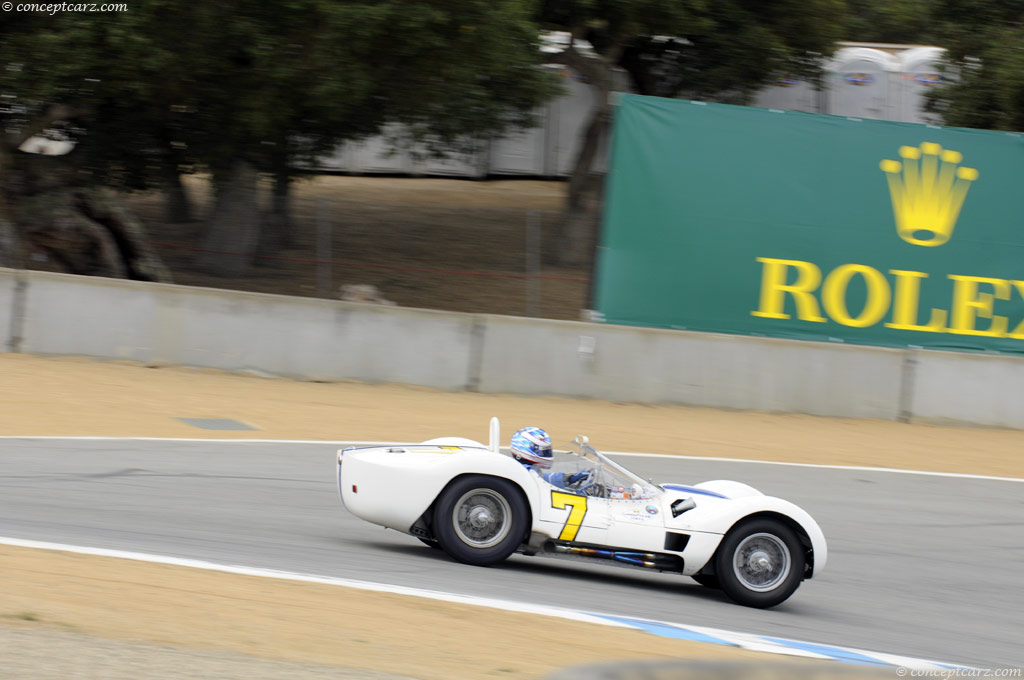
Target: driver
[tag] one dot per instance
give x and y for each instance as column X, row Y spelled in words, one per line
column 531, row 446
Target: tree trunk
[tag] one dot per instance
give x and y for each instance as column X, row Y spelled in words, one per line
column 53, row 221
column 581, row 217
column 275, row 234
column 177, row 205
column 11, row 254
column 89, row 234
column 233, row 228
column 140, row 259
column 577, row 227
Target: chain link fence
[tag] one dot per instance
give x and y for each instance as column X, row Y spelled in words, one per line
column 469, row 246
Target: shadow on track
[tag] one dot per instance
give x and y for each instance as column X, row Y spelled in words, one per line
column 565, row 570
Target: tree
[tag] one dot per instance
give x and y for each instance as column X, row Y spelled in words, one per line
column 985, row 63
column 890, row 21
column 242, row 87
column 18, row 123
column 335, row 72
column 54, row 76
column 285, row 83
column 722, row 50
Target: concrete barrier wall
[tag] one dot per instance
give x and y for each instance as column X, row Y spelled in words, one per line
column 90, row 316
column 313, row 339
column 624, row 363
column 8, row 311
column 235, row 331
column 974, row 388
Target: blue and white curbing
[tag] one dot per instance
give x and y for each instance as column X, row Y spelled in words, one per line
column 757, row 643
column 775, row 645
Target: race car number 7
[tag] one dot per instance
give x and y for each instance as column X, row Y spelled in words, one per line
column 578, row 509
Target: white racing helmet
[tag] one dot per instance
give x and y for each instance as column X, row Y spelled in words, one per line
column 532, row 446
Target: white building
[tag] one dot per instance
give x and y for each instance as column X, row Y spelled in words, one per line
column 862, row 80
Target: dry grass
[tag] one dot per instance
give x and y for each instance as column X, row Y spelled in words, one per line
column 125, row 399
column 407, row 223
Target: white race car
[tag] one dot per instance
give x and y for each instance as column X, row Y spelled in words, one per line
column 480, row 505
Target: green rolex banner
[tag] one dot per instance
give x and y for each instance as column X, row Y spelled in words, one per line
column 760, row 222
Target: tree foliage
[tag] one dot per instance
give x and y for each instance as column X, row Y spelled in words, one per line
column 890, row 21
column 265, row 85
column 232, row 79
column 704, row 48
column 984, row 42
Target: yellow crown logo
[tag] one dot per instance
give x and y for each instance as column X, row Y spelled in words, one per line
column 928, row 190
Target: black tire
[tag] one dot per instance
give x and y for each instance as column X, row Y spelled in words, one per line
column 480, row 520
column 707, row 580
column 760, row 563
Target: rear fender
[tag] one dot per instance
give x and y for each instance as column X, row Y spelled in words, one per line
column 423, row 527
column 395, row 487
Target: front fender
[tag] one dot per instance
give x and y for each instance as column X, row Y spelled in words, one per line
column 718, row 515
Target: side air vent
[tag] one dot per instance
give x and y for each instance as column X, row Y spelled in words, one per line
column 682, row 505
column 676, row 542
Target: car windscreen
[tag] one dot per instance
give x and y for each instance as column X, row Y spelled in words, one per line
column 609, row 480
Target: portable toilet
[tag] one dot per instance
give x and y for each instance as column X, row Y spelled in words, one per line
column 918, row 72
column 858, row 83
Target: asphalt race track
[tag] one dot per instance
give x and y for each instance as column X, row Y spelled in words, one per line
column 923, row 566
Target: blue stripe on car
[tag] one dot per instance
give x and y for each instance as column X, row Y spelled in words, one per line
column 693, row 489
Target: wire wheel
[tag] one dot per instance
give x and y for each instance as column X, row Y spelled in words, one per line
column 481, row 518
column 761, row 562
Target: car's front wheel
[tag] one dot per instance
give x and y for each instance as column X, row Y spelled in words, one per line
column 760, row 562
column 480, row 520
column 707, row 580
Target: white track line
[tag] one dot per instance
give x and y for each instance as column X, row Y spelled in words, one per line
column 736, row 639
column 311, row 578
column 340, row 442
column 224, row 440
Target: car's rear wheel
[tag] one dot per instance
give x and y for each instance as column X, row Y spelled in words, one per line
column 760, row 562
column 480, row 520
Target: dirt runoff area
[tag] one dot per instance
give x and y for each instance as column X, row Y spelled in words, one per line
column 77, row 397
column 66, row 615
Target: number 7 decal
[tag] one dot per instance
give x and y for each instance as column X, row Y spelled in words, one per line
column 578, row 510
